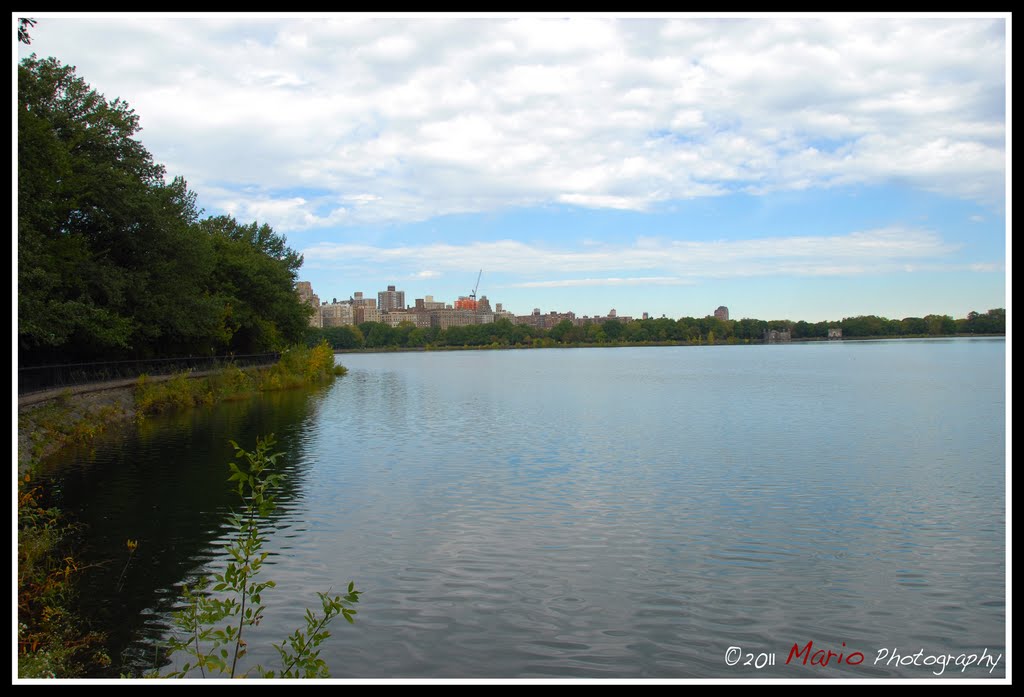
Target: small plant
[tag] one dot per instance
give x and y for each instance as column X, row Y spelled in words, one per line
column 132, row 546
column 213, row 627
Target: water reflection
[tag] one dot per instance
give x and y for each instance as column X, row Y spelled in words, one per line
column 598, row 513
column 163, row 482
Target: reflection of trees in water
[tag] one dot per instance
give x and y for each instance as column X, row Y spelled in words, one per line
column 164, row 484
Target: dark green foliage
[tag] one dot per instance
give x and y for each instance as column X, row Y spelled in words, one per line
column 612, row 329
column 992, row 322
column 113, row 261
column 80, row 178
column 807, row 330
column 344, row 337
column 381, row 335
column 254, row 278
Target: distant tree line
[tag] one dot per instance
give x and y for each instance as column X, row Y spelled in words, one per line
column 685, row 330
column 114, row 262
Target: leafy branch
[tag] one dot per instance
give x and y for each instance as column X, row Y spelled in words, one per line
column 211, row 627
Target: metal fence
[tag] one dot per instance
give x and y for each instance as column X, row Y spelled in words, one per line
column 46, row 377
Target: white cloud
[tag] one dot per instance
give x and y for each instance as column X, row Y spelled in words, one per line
column 293, row 213
column 389, row 48
column 428, row 116
column 988, row 268
column 597, row 201
column 678, row 261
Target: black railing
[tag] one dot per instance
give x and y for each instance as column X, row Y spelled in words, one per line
column 46, row 377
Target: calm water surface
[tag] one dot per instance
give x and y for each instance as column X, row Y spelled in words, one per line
column 630, row 512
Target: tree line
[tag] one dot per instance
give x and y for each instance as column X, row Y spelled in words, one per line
column 685, row 330
column 114, row 261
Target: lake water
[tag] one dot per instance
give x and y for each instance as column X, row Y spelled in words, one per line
column 594, row 513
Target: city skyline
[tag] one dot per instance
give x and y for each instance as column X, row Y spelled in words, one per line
column 426, row 303
column 429, row 302
column 793, row 167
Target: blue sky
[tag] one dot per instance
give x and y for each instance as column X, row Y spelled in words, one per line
column 803, row 167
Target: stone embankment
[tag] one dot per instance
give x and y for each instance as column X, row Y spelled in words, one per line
column 99, row 404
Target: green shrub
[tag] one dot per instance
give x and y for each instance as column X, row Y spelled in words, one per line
column 298, row 366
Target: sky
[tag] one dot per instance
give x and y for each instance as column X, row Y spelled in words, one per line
column 804, row 167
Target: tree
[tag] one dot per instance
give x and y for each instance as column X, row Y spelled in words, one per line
column 91, row 205
column 380, row 335
column 597, row 333
column 560, row 331
column 664, row 329
column 417, row 337
column 635, row 331
column 23, row 26
column 346, row 336
column 939, row 325
column 113, row 261
column 613, row 329
column 913, row 325
column 253, row 279
column 995, row 321
column 750, row 329
column 992, row 322
column 802, row 330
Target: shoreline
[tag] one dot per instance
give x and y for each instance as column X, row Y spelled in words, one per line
column 51, row 419
column 107, row 406
column 78, row 407
column 628, row 344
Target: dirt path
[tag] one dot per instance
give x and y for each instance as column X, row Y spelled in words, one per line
column 47, row 395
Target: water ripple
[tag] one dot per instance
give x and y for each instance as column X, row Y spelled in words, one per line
column 619, row 513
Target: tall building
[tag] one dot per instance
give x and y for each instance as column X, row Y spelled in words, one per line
column 450, row 317
column 501, row 313
column 427, row 304
column 336, row 314
column 365, row 313
column 552, row 319
column 396, row 317
column 722, row 313
column 306, row 295
column 359, row 301
column 391, row 299
column 612, row 315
